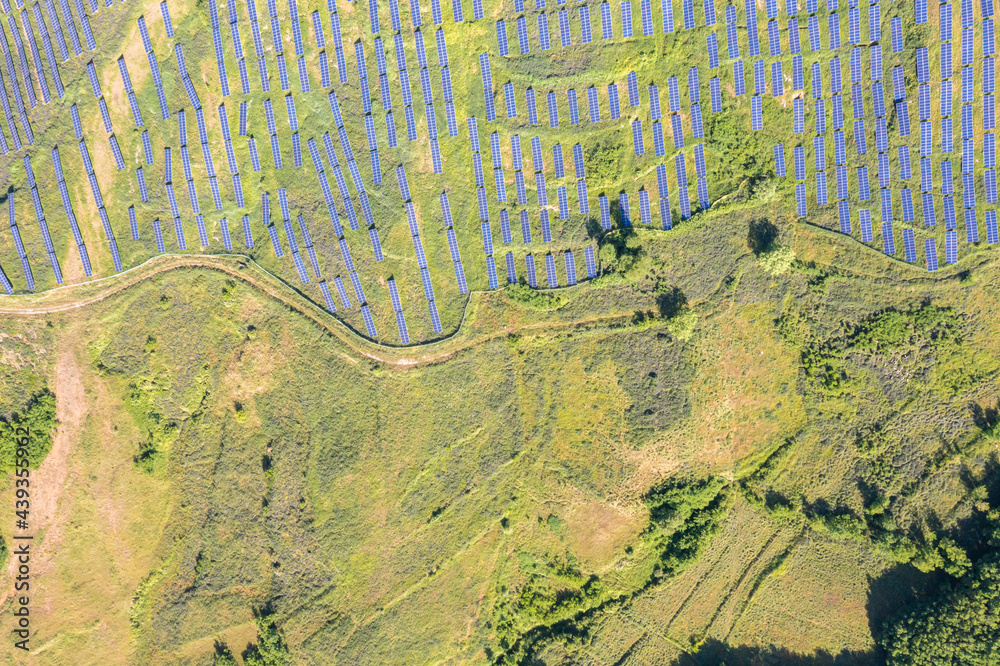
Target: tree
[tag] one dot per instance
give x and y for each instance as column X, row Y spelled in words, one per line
column 960, row 625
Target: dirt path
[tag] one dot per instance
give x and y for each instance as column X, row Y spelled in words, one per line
column 49, row 481
column 243, row 268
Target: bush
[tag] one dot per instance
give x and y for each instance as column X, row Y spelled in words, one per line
column 39, row 417
column 522, row 294
column 777, row 260
column 270, row 649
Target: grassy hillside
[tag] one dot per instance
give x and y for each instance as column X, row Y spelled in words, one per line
column 673, row 460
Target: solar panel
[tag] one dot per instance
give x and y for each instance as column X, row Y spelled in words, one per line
column 967, row 85
column 907, row 199
column 992, row 235
column 904, row 162
column 589, row 261
column 888, row 243
column 800, row 199
column 626, row 9
column 673, row 94
column 550, row 271
column 564, row 36
column 712, row 42
column 553, row 109
column 896, row 33
column 759, row 77
column 821, row 188
column 739, row 79
column 909, row 245
column 633, row 89
column 646, row 15
column 756, row 113
column 813, row 27
column 715, row 94
column 563, row 202
column 502, row 38
column 688, row 7
column 779, row 160
column 799, row 115
column 773, row 38
column 951, row 247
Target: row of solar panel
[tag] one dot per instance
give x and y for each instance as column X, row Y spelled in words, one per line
column 40, row 216
column 70, row 215
column 19, row 244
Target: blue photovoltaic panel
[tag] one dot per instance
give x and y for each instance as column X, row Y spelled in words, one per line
column 800, row 199
column 715, row 94
column 843, row 191
column 739, row 79
column 502, row 38
column 799, row 115
column 821, row 188
column 799, row 162
column 605, row 212
column 688, row 7
column 865, row 222
column 777, row 80
column 673, row 95
column 909, row 245
column 779, row 160
column 658, row 146
column 759, row 77
column 896, row 33
column 794, row 40
column 561, row 196
column 756, row 113
column 550, row 271
column 633, row 89
column 951, row 247
column 992, row 235
column 574, row 109
column 907, row 199
column 888, row 242
column 593, row 106
column 732, row 42
column 819, row 153
column 926, row 175
column 589, row 260
column 813, row 25
column 798, row 73
column 678, row 131
column 646, row 15
column 773, row 38
column 844, row 215
column 606, row 30
column 887, row 214
column 712, row 42
column 564, row 36
column 624, row 214
column 904, row 162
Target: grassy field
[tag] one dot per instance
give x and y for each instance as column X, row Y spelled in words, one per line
column 498, row 501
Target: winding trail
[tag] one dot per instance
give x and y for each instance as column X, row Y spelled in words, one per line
column 75, row 296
